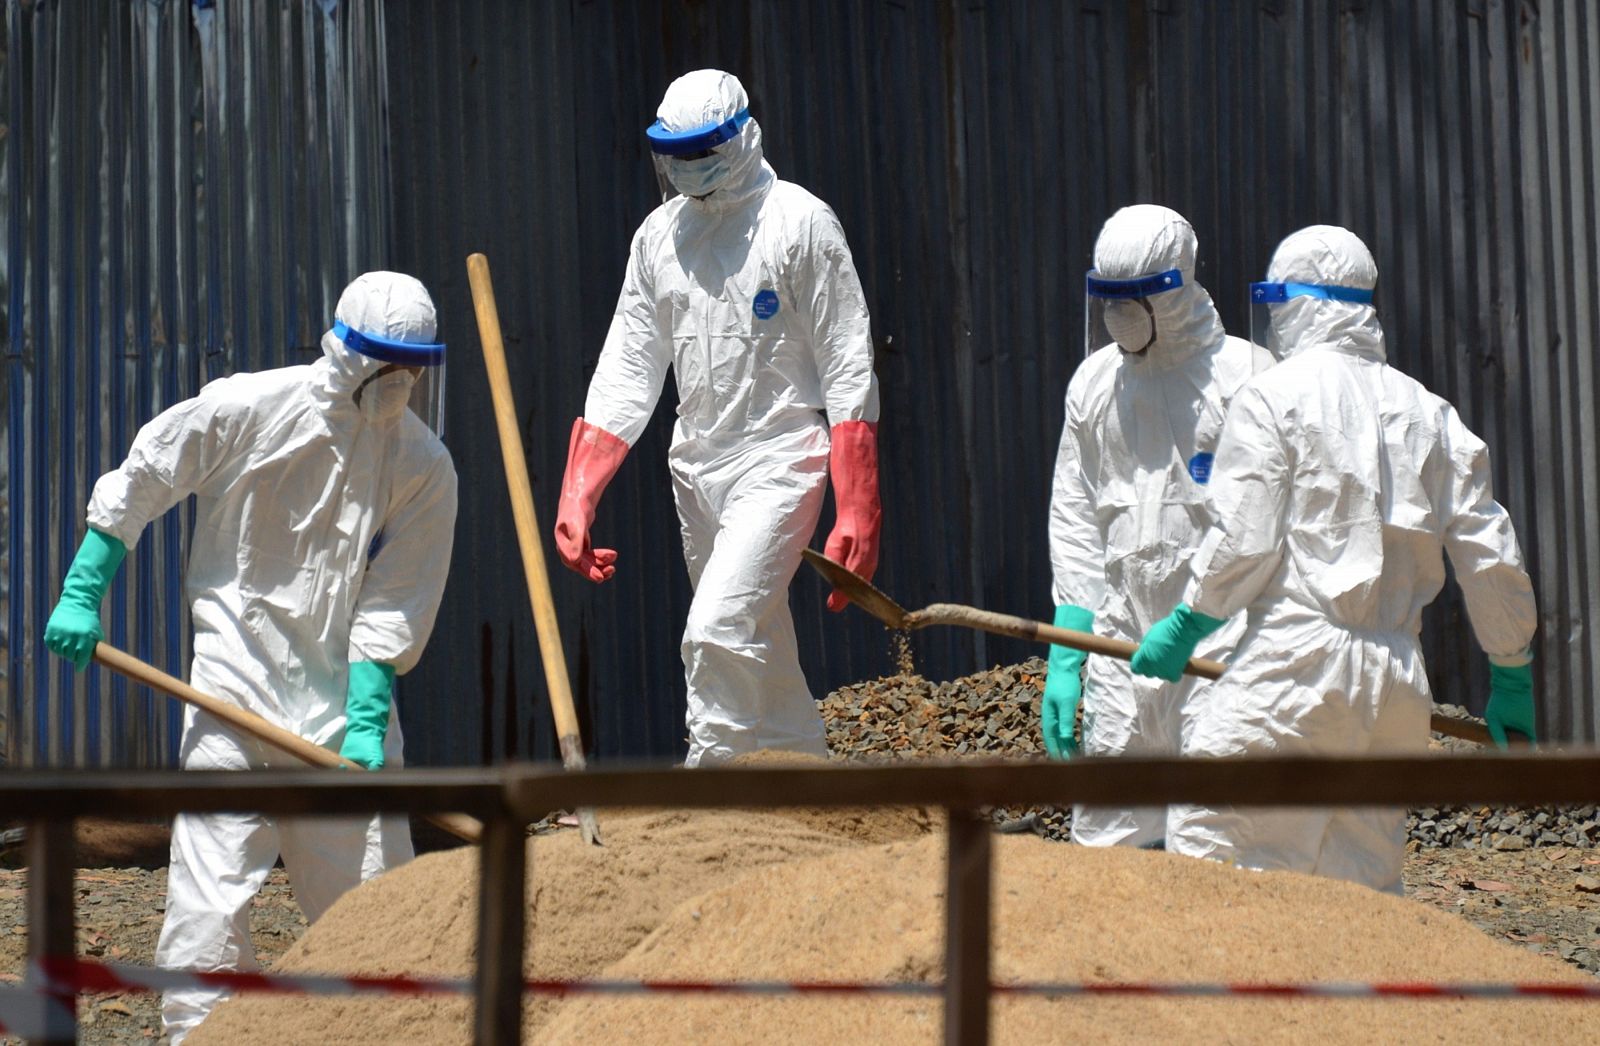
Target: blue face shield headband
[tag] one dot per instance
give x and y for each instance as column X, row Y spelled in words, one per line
column 698, row 139
column 1139, row 287
column 1278, row 293
column 405, row 353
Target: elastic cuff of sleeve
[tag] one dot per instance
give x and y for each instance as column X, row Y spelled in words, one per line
column 1197, row 624
column 1195, row 600
column 589, row 432
column 109, row 530
column 1512, row 660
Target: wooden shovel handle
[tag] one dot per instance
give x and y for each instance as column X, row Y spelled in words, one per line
column 459, row 825
column 516, row 466
column 1022, row 628
column 1466, row 730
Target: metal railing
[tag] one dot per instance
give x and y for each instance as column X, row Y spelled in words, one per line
column 508, row 798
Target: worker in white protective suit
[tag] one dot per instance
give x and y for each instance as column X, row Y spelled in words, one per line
column 1144, row 412
column 743, row 284
column 325, row 511
column 1337, row 483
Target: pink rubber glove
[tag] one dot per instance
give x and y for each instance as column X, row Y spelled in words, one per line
column 593, row 457
column 853, row 464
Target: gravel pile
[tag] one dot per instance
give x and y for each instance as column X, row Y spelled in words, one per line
column 906, row 716
column 1487, row 828
column 1491, row 828
column 996, row 712
column 987, row 713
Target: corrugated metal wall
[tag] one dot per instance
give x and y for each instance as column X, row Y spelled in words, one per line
column 183, row 192
column 518, row 133
column 971, row 150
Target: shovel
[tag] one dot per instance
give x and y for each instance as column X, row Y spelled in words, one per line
column 863, row 594
column 868, row 597
column 459, row 825
column 520, row 487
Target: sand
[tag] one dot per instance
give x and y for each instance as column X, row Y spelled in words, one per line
column 762, row 895
column 1069, row 913
column 121, row 844
column 589, row 907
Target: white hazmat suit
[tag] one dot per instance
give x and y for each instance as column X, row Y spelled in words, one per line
column 1127, row 507
column 749, row 294
column 322, row 537
column 1337, row 483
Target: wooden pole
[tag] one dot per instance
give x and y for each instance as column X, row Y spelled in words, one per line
column 966, row 929
column 465, row 828
column 527, row 523
column 502, row 930
column 52, row 922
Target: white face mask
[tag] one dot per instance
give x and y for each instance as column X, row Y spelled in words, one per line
column 1290, row 322
column 1130, row 325
column 699, row 177
column 383, row 398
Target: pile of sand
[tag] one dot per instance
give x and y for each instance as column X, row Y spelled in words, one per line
column 122, row 844
column 1068, row 913
column 588, row 907
column 858, row 894
column 762, row 895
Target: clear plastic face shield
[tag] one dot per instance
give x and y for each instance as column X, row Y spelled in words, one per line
column 1118, row 310
column 689, row 162
column 1274, row 305
column 427, row 397
column 413, row 368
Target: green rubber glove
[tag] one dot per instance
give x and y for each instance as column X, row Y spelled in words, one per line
column 1510, row 702
column 1063, row 687
column 74, row 625
column 1168, row 646
column 366, row 713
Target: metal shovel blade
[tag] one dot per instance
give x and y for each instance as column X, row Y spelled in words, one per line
column 857, row 589
column 572, row 759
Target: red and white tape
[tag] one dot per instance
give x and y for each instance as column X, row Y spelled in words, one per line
column 83, row 975
column 36, row 1009
column 87, row 976
column 1327, row 990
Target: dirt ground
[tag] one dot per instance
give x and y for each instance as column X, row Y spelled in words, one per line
column 1546, row 900
column 1537, row 899
column 121, row 900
